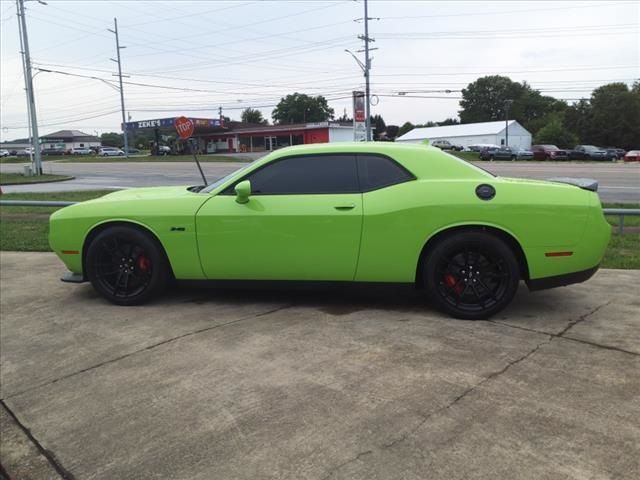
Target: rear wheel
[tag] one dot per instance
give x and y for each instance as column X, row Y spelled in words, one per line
column 513, row 157
column 126, row 265
column 471, row 274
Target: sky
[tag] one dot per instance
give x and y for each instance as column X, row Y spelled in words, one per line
column 191, row 57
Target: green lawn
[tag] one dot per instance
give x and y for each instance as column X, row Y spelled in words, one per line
column 18, row 178
column 148, row 158
column 26, row 228
column 15, row 160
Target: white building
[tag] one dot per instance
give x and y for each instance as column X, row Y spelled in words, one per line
column 68, row 139
column 466, row 134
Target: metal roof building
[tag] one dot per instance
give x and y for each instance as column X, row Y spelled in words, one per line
column 466, row 134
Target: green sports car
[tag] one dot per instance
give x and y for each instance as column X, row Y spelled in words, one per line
column 352, row 212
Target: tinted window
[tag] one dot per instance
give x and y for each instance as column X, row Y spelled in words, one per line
column 307, row 174
column 378, row 172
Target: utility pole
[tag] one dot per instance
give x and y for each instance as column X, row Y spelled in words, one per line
column 366, row 66
column 124, row 121
column 28, row 80
column 507, row 104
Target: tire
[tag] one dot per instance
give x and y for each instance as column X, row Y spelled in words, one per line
column 547, row 157
column 491, row 157
column 457, row 289
column 126, row 265
column 513, row 157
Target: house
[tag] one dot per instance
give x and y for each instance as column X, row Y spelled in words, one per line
column 466, row 134
column 68, row 139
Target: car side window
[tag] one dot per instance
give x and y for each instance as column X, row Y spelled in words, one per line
column 309, row 174
column 377, row 171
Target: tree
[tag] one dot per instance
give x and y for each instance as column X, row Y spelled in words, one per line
column 406, row 127
column 485, row 101
column 112, row 139
column 299, row 108
column 615, row 116
column 449, row 121
column 252, row 115
column 555, row 133
column 377, row 124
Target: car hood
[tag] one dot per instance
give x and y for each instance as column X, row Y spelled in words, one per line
column 147, row 193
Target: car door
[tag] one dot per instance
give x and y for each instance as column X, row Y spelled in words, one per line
column 303, row 221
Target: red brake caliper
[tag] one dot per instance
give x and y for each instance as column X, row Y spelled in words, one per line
column 451, row 282
column 144, row 264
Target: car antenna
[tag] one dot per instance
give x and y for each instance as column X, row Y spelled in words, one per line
column 195, row 157
column 185, row 128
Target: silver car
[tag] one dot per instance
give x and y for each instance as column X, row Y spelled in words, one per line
column 110, row 152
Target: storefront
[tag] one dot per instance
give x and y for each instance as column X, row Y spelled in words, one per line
column 213, row 136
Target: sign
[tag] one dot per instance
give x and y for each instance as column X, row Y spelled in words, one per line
column 184, row 127
column 359, row 117
column 170, row 123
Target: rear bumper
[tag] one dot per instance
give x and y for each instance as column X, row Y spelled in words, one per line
column 561, row 280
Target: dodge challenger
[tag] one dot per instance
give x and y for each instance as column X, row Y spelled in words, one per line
column 351, row 212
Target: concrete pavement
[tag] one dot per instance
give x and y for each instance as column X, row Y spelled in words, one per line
column 618, row 182
column 316, row 384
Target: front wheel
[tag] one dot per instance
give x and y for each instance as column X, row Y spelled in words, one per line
column 471, row 274
column 126, row 265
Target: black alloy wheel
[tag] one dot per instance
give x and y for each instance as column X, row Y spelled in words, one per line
column 471, row 274
column 126, row 265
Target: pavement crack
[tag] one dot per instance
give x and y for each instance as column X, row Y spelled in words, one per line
column 467, row 392
column 344, row 464
column 581, row 319
column 571, row 324
column 145, row 349
column 48, row 454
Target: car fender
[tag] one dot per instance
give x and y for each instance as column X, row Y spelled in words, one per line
column 511, row 238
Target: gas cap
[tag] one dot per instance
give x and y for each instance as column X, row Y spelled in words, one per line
column 485, row 191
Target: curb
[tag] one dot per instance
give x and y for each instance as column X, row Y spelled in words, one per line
column 65, row 179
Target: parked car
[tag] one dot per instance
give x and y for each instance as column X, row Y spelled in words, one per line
column 477, row 147
column 548, row 152
column 588, row 152
column 486, row 153
column 446, row 145
column 632, row 156
column 164, row 150
column 13, row 152
column 364, row 212
column 25, row 153
column 53, row 151
column 81, row 151
column 510, row 153
column 110, row 152
column 615, row 153
column 4, row 153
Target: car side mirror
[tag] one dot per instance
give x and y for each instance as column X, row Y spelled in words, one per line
column 243, row 191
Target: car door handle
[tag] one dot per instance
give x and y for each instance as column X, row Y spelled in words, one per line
column 345, row 207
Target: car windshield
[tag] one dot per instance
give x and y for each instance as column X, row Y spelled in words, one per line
column 551, row 147
column 590, row 147
column 220, row 181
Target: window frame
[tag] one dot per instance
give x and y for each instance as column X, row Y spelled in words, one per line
column 410, row 176
column 230, row 189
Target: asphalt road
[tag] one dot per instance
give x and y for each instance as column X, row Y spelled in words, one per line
column 315, row 384
column 618, row 182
